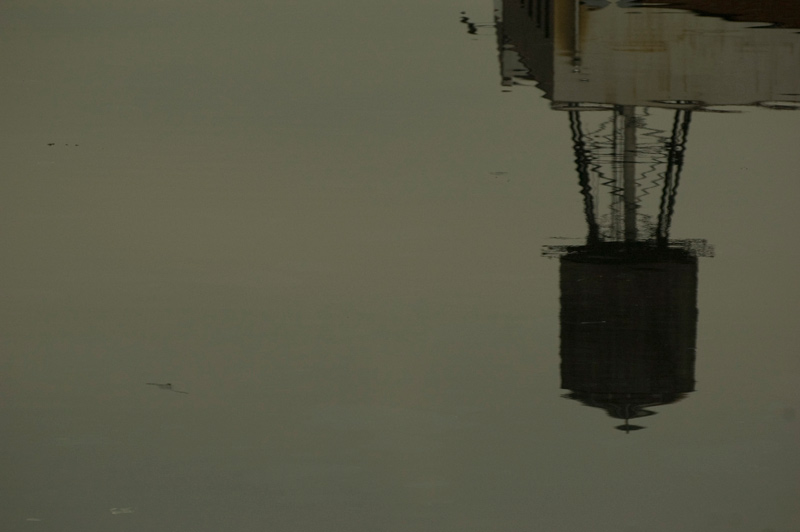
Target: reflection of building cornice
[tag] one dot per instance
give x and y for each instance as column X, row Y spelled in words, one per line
column 781, row 13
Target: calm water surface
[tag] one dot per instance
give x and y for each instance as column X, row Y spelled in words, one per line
column 356, row 235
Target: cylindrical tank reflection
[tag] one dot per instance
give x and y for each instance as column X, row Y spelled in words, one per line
column 628, row 327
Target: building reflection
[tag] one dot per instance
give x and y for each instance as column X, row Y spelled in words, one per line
column 630, row 80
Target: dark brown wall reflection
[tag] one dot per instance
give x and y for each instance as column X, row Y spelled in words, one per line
column 783, row 13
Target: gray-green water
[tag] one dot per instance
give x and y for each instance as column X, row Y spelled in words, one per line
column 325, row 222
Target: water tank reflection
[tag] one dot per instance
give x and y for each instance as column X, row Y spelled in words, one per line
column 628, row 327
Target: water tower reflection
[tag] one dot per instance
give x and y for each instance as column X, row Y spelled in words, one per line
column 629, row 293
column 630, row 78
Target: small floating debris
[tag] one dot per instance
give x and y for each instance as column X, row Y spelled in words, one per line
column 165, row 386
column 33, row 519
column 116, row 511
column 628, row 427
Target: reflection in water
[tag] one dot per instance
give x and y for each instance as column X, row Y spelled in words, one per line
column 628, row 295
column 628, row 327
column 629, row 81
